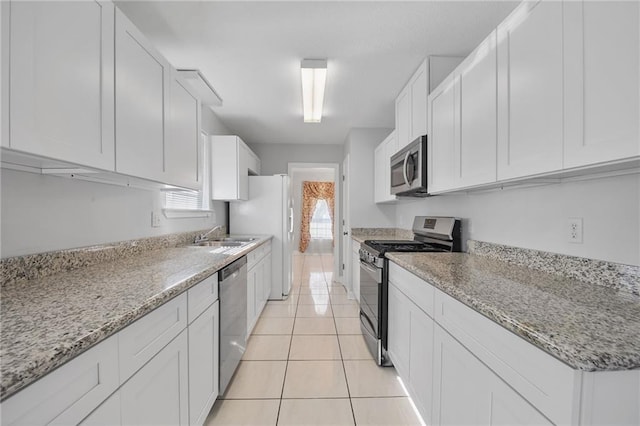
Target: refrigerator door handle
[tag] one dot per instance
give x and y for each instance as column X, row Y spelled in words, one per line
column 291, row 220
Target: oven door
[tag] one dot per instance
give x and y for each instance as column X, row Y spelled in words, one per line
column 370, row 292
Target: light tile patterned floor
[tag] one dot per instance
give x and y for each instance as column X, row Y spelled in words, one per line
column 306, row 363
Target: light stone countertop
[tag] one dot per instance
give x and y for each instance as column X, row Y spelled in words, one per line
column 362, row 234
column 589, row 327
column 49, row 320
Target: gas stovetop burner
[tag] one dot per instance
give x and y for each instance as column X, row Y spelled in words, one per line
column 380, row 247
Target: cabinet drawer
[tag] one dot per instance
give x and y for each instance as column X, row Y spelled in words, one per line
column 258, row 253
column 417, row 290
column 545, row 382
column 140, row 341
column 201, row 296
column 68, row 394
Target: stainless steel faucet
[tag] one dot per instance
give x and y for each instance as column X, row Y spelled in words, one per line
column 204, row 237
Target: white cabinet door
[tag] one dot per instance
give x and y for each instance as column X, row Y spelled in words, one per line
column 158, row 394
column 403, row 117
column 421, row 361
column 142, row 340
column 443, row 136
column 203, row 364
column 230, row 158
column 107, row 414
column 379, row 155
column 267, row 276
column 251, row 299
column 382, row 169
column 243, row 171
column 467, row 392
column 259, row 289
column 61, row 81
column 69, row 393
column 142, row 97
column 530, row 90
column 419, row 90
column 602, row 92
column 476, row 147
column 183, row 150
column 399, row 330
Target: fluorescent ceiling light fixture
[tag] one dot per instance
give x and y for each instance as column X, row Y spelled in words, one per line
column 314, row 77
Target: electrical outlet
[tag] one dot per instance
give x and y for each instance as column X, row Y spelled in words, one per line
column 155, row 219
column 574, row 230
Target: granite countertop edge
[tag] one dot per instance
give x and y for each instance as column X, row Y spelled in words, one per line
column 565, row 353
column 57, row 356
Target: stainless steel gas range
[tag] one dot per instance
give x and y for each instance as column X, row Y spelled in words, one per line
column 431, row 234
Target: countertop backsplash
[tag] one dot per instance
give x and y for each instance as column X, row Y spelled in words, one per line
column 40, row 265
column 599, row 272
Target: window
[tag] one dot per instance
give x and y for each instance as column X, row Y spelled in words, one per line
column 320, row 225
column 192, row 200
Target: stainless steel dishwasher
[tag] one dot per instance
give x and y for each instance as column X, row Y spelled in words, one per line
column 232, row 286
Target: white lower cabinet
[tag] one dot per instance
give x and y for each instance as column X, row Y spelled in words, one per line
column 159, row 370
column 410, row 347
column 467, row 392
column 421, row 361
column 158, row 394
column 258, row 283
column 108, row 413
column 462, row 368
column 399, row 328
column 68, row 394
column 203, row 364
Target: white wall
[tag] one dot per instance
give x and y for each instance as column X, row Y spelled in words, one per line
column 536, row 217
column 364, row 212
column 44, row 213
column 297, row 177
column 276, row 157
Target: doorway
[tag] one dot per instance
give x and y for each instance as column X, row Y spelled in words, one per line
column 322, row 241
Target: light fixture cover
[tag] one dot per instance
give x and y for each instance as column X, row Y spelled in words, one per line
column 314, row 77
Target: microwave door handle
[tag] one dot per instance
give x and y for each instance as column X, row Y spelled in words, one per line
column 404, row 168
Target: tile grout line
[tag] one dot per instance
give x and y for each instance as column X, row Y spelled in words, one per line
column 286, row 368
column 344, row 369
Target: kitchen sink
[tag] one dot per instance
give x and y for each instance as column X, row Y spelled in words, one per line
column 232, row 239
column 221, row 243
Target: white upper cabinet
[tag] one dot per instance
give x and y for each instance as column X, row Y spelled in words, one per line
column 183, row 150
column 419, row 89
column 602, row 92
column 411, row 107
column 382, row 172
column 476, row 147
column 403, row 118
column 441, row 145
column 231, row 163
column 61, row 81
column 462, row 143
column 530, row 90
column 143, row 81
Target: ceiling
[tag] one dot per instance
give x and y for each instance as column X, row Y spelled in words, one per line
column 251, row 53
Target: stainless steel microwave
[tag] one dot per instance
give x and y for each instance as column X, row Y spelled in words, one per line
column 409, row 170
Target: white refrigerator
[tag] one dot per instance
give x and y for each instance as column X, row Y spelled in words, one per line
column 269, row 210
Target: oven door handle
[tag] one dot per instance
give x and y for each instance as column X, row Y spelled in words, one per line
column 368, row 267
column 363, row 315
column 404, row 168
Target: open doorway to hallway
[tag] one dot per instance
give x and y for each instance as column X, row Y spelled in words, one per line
column 321, row 214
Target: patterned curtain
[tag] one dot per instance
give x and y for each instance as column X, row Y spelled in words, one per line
column 312, row 192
